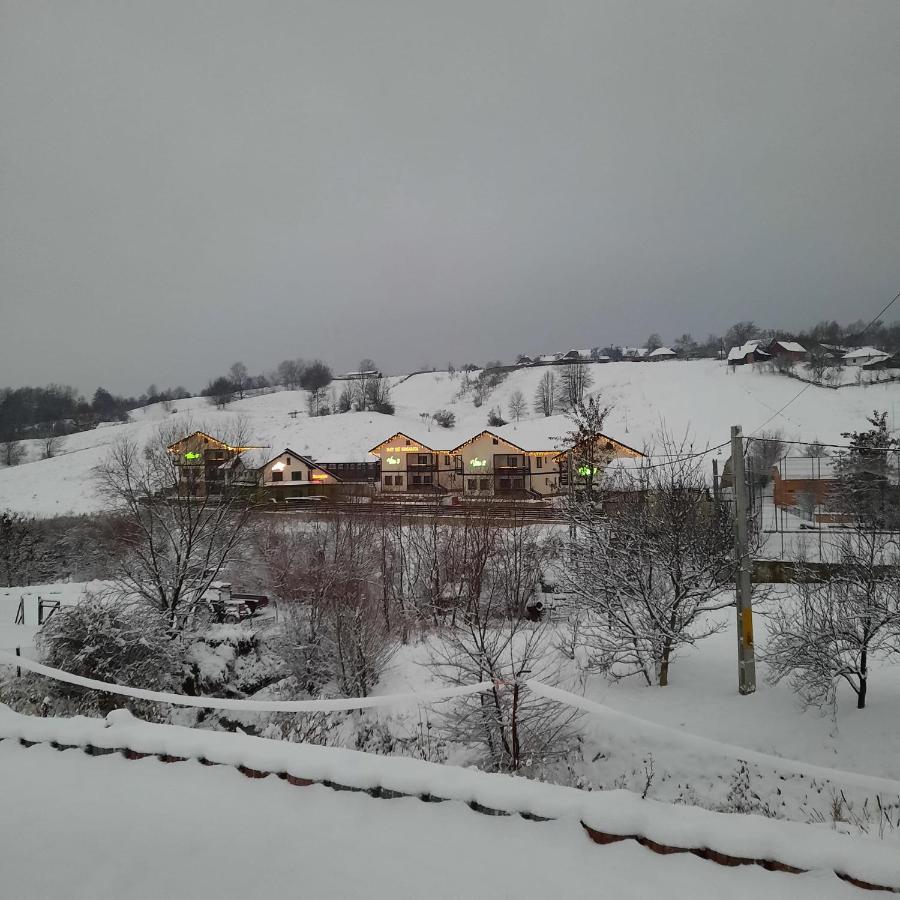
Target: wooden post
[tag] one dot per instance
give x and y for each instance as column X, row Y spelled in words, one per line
column 743, row 588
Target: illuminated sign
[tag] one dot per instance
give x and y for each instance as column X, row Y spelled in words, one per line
column 587, row 470
column 191, row 455
column 401, row 449
column 393, row 460
column 319, row 476
column 477, row 463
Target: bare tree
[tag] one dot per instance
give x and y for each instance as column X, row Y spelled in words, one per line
column 51, row 442
column 517, row 405
column 20, row 549
column 648, row 573
column 174, row 542
column 838, row 622
column 654, row 342
column 765, row 452
column 591, row 451
column 818, row 363
column 315, row 378
column 574, row 381
column 11, row 453
column 239, row 377
column 814, row 449
column 289, row 373
column 334, row 630
column 545, row 395
column 220, row 391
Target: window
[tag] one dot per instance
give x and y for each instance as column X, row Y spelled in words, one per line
column 398, row 479
column 426, row 479
column 416, row 479
column 495, row 442
column 446, row 460
column 484, row 484
column 296, row 475
column 388, row 480
column 278, row 476
column 423, row 459
column 471, row 484
column 540, row 462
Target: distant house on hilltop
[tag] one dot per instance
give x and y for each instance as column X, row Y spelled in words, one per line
column 360, row 376
column 661, row 353
column 748, row 353
column 886, row 362
column 786, row 350
column 863, row 355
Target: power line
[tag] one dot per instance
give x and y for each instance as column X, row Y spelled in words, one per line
column 806, row 387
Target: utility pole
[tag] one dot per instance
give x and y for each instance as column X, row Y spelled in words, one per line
column 744, row 602
column 570, row 487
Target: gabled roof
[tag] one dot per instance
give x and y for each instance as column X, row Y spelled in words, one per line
column 209, row 438
column 753, row 346
column 493, row 434
column 304, row 459
column 406, row 437
column 791, row 346
column 865, row 353
column 604, row 437
column 662, row 351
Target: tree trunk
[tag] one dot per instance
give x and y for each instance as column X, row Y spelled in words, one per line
column 664, row 664
column 863, row 681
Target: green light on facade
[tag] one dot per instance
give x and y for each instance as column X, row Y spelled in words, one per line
column 588, row 470
column 393, row 460
column 477, row 463
column 191, row 455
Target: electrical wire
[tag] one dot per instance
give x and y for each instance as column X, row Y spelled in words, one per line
column 807, row 386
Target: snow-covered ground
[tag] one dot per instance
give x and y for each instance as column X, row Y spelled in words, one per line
column 83, row 826
column 701, row 398
column 695, row 733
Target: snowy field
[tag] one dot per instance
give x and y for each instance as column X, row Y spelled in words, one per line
column 701, row 399
column 136, row 830
column 695, row 734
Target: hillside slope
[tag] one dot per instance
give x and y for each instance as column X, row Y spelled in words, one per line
column 698, row 399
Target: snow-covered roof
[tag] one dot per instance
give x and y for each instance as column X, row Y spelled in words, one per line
column 806, row 468
column 661, row 351
column 791, row 346
column 741, row 351
column 865, row 353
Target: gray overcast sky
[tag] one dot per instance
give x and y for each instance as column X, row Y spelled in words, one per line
column 183, row 184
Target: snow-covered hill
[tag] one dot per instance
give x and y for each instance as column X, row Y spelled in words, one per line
column 700, row 399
